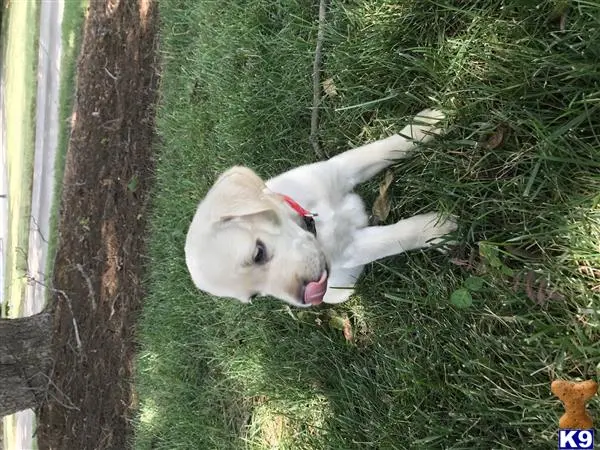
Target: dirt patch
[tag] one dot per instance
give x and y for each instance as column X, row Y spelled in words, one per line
column 101, row 231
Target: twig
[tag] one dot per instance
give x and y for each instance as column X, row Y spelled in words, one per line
column 75, row 327
column 51, row 383
column 314, row 120
column 69, row 304
column 39, row 229
column 91, row 293
column 32, row 279
column 110, row 74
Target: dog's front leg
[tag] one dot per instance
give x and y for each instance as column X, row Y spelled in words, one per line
column 362, row 163
column 373, row 243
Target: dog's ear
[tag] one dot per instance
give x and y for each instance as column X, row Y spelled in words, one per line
column 237, row 193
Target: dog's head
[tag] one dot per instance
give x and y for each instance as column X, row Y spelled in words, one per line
column 245, row 241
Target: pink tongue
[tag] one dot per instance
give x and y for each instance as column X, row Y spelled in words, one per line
column 315, row 290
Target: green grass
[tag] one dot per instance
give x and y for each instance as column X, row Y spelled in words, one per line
column 236, row 88
column 71, row 37
column 19, row 52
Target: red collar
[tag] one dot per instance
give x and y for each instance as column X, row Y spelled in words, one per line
column 296, row 207
column 307, row 216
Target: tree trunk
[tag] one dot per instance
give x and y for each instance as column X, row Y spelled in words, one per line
column 24, row 361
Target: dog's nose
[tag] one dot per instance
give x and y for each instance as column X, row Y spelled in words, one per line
column 314, row 292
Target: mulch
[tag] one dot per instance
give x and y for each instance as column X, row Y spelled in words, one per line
column 102, row 225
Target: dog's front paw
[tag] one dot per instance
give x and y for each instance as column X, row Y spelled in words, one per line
column 436, row 229
column 430, row 116
column 425, row 125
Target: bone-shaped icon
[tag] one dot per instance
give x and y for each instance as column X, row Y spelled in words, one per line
column 574, row 397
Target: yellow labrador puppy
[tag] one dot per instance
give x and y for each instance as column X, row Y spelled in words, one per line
column 303, row 236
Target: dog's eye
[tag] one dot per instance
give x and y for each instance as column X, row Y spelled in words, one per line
column 260, row 253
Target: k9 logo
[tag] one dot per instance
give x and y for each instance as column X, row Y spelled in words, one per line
column 575, row 439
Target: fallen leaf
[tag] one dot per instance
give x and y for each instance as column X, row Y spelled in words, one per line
column 589, row 271
column 348, row 335
column 329, row 87
column 133, row 183
column 467, row 258
column 541, row 294
column 382, row 205
column 496, row 139
column 559, row 14
column 460, row 262
column 537, row 289
column 529, row 282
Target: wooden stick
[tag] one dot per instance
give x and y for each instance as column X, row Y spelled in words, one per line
column 314, row 120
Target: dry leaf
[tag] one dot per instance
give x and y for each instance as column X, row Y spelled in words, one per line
column 382, row 206
column 460, row 262
column 496, row 139
column 559, row 14
column 541, row 294
column 530, row 283
column 589, row 271
column 329, row 87
column 347, row 330
column 563, row 22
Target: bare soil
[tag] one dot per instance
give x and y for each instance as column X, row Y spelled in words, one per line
column 100, row 254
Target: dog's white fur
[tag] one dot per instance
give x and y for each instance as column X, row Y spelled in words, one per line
column 241, row 209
